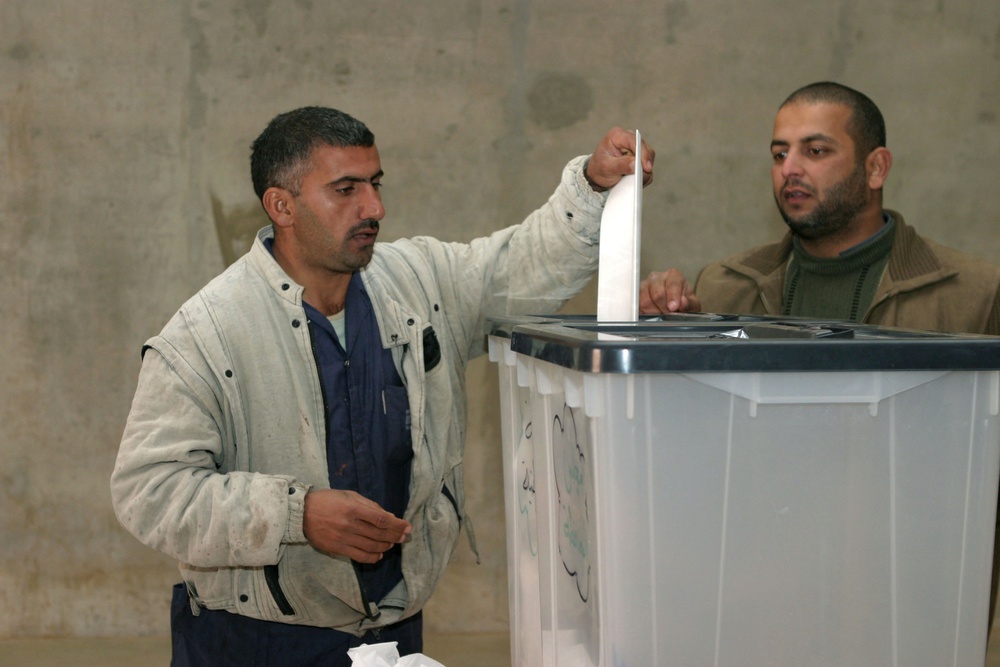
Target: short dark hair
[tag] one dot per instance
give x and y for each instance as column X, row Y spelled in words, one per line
column 278, row 156
column 866, row 126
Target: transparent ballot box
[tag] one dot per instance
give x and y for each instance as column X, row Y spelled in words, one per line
column 733, row 491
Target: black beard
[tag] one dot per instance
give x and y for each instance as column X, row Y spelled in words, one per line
column 839, row 206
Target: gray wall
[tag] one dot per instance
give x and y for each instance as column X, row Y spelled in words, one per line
column 124, row 133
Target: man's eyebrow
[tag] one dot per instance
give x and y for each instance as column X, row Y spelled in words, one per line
column 358, row 179
column 819, row 136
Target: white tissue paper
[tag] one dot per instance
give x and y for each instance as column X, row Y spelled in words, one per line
column 386, row 655
column 618, row 275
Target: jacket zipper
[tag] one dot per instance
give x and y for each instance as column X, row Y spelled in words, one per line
column 371, row 610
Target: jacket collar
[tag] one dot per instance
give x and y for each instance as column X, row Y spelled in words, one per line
column 912, row 265
column 912, row 262
column 264, row 263
column 396, row 323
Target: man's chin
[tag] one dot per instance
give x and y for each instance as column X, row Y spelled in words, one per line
column 804, row 226
column 798, row 211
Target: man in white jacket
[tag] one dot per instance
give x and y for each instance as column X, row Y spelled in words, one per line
column 296, row 436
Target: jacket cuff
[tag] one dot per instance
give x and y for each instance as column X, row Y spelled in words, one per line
column 296, row 509
column 577, row 203
column 582, row 185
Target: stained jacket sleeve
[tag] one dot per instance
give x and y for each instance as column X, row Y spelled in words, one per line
column 167, row 487
column 531, row 268
column 534, row 268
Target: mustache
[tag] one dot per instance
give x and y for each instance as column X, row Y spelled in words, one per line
column 796, row 183
column 370, row 225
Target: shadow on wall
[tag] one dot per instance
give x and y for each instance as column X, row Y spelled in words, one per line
column 236, row 228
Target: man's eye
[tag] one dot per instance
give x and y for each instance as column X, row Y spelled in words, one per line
column 376, row 185
column 346, row 191
column 816, row 150
column 779, row 156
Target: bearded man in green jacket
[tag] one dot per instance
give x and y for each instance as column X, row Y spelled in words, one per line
column 844, row 256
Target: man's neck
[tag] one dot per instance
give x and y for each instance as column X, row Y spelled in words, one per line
column 328, row 296
column 324, row 290
column 862, row 228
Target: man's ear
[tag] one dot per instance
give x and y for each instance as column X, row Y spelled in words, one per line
column 877, row 166
column 279, row 204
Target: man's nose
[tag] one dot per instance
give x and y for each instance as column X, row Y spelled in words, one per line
column 791, row 166
column 372, row 207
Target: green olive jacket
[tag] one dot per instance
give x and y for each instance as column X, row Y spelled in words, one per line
column 925, row 285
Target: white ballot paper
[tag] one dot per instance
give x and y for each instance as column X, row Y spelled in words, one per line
column 618, row 275
column 386, row 655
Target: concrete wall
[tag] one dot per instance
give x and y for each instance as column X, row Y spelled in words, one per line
column 124, row 133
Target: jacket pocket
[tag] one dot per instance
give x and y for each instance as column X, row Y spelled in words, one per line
column 432, row 350
column 274, row 586
column 446, row 492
